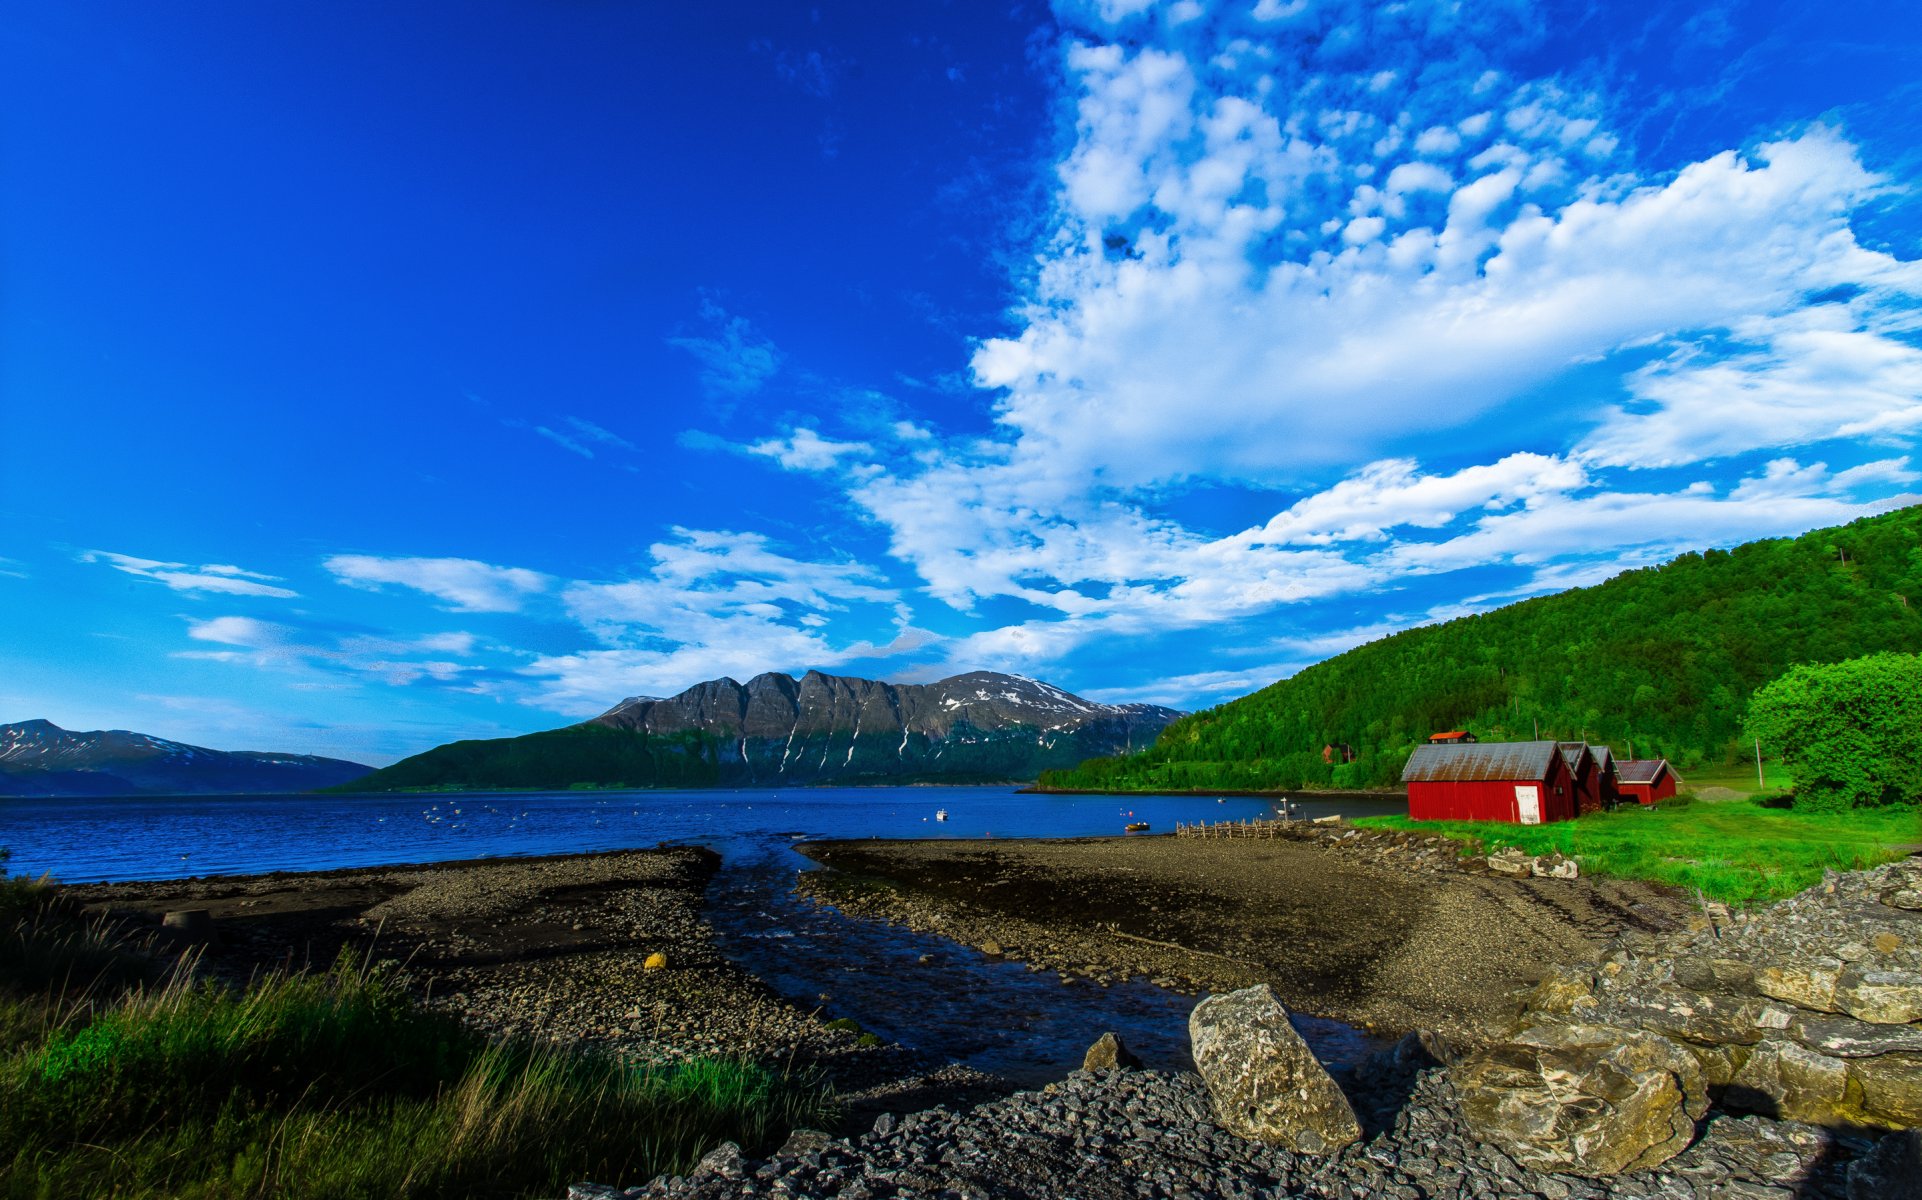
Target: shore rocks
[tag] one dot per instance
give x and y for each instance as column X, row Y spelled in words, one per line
column 1265, row 1082
column 1586, row 1099
column 1809, row 1009
column 1110, row 1053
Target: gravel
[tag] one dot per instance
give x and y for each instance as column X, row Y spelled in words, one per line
column 1378, row 930
column 1122, row 1133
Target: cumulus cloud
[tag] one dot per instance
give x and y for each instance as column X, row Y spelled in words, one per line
column 216, row 578
column 462, row 583
column 713, row 603
column 1321, row 243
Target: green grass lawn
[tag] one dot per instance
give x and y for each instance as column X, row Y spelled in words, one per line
column 119, row 1077
column 1741, row 778
column 1738, row 851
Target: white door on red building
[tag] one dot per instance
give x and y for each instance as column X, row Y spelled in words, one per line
column 1528, row 803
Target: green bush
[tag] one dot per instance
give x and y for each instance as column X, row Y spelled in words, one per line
column 1851, row 730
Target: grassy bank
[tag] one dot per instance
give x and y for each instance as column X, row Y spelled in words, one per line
column 123, row 1076
column 1743, row 851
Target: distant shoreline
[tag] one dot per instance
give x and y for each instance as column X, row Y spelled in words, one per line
column 1259, row 794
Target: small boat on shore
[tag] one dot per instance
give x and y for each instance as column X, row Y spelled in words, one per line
column 1136, row 827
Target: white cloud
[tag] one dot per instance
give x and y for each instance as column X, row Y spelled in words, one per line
column 712, row 603
column 594, row 433
column 806, row 450
column 563, row 441
column 218, row 578
column 464, row 584
column 1394, row 493
column 1809, row 385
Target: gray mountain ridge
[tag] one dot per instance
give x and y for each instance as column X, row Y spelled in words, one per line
column 789, row 730
column 779, row 731
column 38, row 758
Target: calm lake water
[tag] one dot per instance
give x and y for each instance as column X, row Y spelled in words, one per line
column 996, row 1016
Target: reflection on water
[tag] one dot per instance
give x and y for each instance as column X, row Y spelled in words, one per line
column 994, row 1015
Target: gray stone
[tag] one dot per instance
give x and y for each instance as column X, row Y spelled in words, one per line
column 1109, row 1053
column 1715, row 975
column 1697, row 1016
column 1809, row 983
column 1891, row 1087
column 1264, row 1081
column 1790, row 1081
column 1583, row 1099
column 1845, row 1037
column 1907, row 898
column 724, row 1160
column 1892, row 1171
column 1554, row 866
column 803, row 1142
column 1881, row 997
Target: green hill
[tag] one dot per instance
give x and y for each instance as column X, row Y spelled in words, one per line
column 1663, row 659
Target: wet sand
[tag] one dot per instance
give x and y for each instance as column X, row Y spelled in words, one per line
column 1388, row 947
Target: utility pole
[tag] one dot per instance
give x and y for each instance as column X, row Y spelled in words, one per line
column 1760, row 783
column 1538, row 729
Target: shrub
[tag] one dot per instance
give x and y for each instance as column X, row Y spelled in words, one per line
column 1852, row 730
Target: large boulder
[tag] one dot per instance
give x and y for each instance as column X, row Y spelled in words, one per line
column 1789, row 1081
column 1265, row 1083
column 1583, row 1099
column 1891, row 1087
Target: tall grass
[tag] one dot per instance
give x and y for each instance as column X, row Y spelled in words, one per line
column 336, row 1084
column 1744, row 851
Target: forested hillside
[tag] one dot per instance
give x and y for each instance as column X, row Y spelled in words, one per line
column 1663, row 658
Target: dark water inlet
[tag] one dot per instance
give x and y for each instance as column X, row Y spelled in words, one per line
column 990, row 1014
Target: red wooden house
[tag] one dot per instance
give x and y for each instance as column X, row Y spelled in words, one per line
column 1526, row 783
column 1644, row 780
column 1593, row 769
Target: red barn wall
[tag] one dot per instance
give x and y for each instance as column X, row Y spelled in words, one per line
column 1491, row 800
column 1646, row 793
column 1588, row 792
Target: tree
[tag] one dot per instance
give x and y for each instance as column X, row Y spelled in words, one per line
column 1851, row 730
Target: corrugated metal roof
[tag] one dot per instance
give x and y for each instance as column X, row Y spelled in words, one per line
column 1639, row 770
column 1490, row 761
column 1603, row 756
column 1572, row 753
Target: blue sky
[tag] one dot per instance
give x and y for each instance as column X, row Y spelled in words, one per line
column 375, row 375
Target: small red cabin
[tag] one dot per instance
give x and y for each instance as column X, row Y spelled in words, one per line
column 1453, row 737
column 1644, row 780
column 1593, row 770
column 1525, row 783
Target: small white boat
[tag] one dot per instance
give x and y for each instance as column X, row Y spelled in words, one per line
column 940, row 814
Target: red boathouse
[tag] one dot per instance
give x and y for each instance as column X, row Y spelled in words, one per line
column 1593, row 770
column 1525, row 783
column 1644, row 780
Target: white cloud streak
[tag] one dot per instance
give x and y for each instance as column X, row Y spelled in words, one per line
column 463, row 584
column 217, row 578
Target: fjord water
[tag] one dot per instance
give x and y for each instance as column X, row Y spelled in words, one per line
column 993, row 1015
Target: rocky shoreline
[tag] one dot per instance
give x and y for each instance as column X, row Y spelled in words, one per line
column 1438, row 1122
column 1105, row 1135
column 556, row 948
column 553, row 948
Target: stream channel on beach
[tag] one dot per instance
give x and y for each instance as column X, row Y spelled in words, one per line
column 918, row 989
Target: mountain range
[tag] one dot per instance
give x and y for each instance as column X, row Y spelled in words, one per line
column 38, row 758
column 777, row 731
